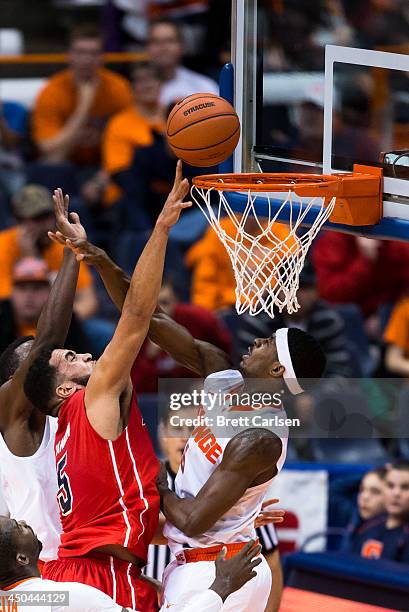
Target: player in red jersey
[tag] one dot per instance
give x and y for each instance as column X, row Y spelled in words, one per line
column 106, row 466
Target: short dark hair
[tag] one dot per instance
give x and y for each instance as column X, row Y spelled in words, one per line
column 307, row 356
column 380, row 472
column 167, row 22
column 402, row 465
column 8, row 548
column 40, row 382
column 9, row 359
column 85, row 30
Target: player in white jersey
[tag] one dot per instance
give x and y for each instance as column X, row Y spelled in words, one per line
column 29, row 487
column 225, row 472
column 21, row 587
column 27, row 463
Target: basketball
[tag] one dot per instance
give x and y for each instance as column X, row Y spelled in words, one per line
column 203, row 129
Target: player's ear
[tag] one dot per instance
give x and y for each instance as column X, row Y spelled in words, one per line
column 276, row 369
column 66, row 389
column 22, row 559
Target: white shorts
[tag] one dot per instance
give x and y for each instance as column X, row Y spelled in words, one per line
column 182, row 581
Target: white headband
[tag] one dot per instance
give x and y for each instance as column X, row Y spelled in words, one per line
column 284, row 358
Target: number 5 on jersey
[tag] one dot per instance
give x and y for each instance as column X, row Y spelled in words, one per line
column 64, row 495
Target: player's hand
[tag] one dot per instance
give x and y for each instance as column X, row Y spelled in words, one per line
column 267, row 516
column 174, row 203
column 232, row 574
column 162, row 479
column 67, row 224
column 84, row 250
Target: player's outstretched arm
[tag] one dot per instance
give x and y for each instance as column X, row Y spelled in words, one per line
column 249, row 458
column 196, row 355
column 53, row 324
column 110, row 377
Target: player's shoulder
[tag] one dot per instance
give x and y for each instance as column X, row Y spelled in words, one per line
column 223, row 381
column 254, row 445
column 86, row 597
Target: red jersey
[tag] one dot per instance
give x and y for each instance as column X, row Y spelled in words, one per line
column 107, row 489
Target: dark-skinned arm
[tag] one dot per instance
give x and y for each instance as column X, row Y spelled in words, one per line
column 54, row 321
column 196, row 355
column 248, row 457
column 52, row 328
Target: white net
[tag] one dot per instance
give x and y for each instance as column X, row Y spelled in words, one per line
column 266, row 255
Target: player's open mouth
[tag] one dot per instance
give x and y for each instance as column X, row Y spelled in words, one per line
column 249, row 351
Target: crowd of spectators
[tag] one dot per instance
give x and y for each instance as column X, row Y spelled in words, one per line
column 100, row 136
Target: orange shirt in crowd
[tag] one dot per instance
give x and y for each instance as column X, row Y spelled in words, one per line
column 10, row 253
column 58, row 99
column 26, row 330
column 123, row 134
column 397, row 330
column 213, row 282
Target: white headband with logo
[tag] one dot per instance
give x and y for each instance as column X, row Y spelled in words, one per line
column 284, row 358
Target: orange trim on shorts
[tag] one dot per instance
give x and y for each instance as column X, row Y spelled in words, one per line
column 16, row 584
column 210, row 553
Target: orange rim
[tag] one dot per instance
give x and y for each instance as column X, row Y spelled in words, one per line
column 358, row 193
column 308, row 184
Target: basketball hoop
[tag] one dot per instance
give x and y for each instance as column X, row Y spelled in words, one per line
column 266, row 260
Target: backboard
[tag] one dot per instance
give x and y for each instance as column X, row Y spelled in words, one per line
column 313, row 107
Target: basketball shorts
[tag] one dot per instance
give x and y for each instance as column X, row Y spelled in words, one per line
column 181, row 581
column 118, row 579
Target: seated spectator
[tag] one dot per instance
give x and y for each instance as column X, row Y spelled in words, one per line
column 213, row 282
column 314, row 316
column 387, row 536
column 34, row 211
column 71, row 111
column 396, row 337
column 133, row 127
column 165, row 50
column 31, row 283
column 13, row 129
column 367, row 272
column 153, row 363
column 370, row 501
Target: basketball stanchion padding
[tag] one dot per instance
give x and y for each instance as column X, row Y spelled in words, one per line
column 203, row 129
column 266, row 260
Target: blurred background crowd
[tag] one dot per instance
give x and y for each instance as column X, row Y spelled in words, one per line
column 95, row 127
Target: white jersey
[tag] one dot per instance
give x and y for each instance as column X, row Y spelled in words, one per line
column 202, row 456
column 46, row 596
column 29, row 490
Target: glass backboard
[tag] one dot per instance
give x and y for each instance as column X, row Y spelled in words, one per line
column 309, row 106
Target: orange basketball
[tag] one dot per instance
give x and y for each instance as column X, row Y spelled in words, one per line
column 203, row 129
